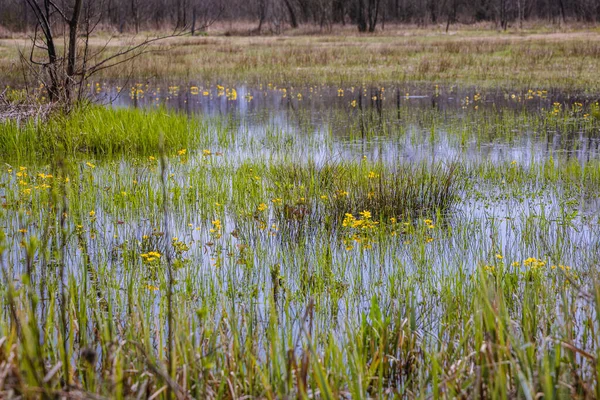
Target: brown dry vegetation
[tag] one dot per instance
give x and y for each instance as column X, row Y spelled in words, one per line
column 567, row 58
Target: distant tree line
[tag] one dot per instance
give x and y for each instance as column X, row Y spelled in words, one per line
column 276, row 15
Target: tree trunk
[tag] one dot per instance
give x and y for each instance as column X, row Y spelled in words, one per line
column 373, row 13
column 262, row 14
column 179, row 14
column 561, row 6
column 43, row 18
column 432, row 11
column 193, row 20
column 135, row 13
column 72, row 54
column 503, row 16
column 452, row 15
column 24, row 21
column 360, row 17
column 292, row 12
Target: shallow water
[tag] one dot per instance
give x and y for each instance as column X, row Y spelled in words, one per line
column 318, row 110
column 395, row 126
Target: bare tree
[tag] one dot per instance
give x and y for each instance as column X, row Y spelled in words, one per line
column 205, row 13
column 137, row 15
column 451, row 12
column 373, row 14
column 361, row 18
column 63, row 73
column 262, row 10
column 367, row 15
column 292, row 13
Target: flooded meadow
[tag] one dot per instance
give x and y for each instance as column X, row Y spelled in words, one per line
column 316, row 241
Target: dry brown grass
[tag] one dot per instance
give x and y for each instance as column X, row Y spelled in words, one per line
column 22, row 110
column 565, row 58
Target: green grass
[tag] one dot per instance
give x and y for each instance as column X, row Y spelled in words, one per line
column 99, row 131
column 96, row 131
column 440, row 305
column 405, row 252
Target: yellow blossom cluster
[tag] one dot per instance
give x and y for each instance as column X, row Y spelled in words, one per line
column 217, row 228
column 361, row 229
column 534, row 263
column 150, row 257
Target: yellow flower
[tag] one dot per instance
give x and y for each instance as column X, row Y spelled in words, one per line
column 534, row 263
column 89, row 164
column 499, row 256
column 181, row 152
column 348, row 220
column 262, row 207
column 92, row 214
column 206, row 152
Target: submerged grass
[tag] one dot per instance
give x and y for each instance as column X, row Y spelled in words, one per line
column 397, row 254
column 352, row 187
